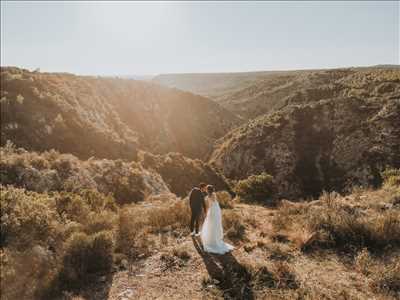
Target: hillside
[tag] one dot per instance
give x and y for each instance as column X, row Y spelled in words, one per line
column 127, row 182
column 256, row 93
column 274, row 92
column 95, row 205
column 314, row 145
column 331, row 248
column 213, row 85
column 105, row 117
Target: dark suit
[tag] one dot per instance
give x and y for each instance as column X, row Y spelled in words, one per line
column 197, row 205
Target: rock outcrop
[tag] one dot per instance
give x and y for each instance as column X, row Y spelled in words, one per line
column 330, row 144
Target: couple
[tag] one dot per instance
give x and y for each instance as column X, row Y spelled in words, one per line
column 211, row 232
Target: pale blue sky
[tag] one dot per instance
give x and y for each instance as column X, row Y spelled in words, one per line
column 174, row 37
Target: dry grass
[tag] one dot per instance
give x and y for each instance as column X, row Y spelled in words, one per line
column 279, row 276
column 383, row 276
column 387, row 280
column 341, row 222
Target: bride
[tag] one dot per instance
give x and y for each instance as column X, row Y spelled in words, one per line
column 212, row 231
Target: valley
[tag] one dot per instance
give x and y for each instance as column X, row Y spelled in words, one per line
column 95, row 173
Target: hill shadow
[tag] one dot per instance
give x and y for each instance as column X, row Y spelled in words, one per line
column 234, row 278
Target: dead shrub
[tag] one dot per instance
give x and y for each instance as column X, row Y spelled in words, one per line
column 284, row 276
column 279, row 276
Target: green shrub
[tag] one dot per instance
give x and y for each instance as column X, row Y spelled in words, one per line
column 26, row 274
column 27, row 218
column 259, row 188
column 86, row 255
column 98, row 201
column 129, row 189
column 51, row 171
column 72, row 207
column 75, row 267
column 100, row 258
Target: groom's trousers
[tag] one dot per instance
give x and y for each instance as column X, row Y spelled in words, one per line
column 195, row 220
column 197, row 205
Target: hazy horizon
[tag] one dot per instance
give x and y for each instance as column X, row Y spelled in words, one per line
column 137, row 38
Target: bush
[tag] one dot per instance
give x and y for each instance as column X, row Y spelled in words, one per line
column 98, row 201
column 72, row 207
column 100, row 258
column 86, row 255
column 176, row 215
column 26, row 274
column 233, row 226
column 51, row 171
column 258, row 188
column 132, row 236
column 103, row 221
column 279, row 276
column 27, row 218
column 44, row 246
column 75, row 261
column 130, row 188
column 225, row 199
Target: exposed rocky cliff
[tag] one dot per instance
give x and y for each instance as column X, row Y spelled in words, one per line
column 252, row 94
column 330, row 144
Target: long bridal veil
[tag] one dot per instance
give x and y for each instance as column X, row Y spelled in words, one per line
column 212, row 233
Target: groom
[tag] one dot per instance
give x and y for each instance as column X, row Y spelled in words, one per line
column 197, row 206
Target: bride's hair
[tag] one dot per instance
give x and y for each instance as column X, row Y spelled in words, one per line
column 210, row 189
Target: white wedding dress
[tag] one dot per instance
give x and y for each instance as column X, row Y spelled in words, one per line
column 212, row 232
